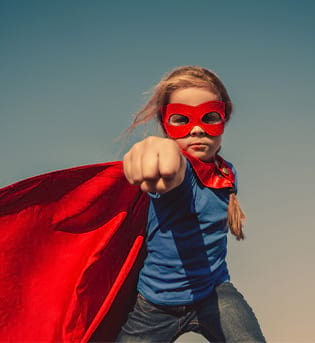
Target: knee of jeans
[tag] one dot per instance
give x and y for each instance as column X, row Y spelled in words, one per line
column 236, row 313
column 231, row 303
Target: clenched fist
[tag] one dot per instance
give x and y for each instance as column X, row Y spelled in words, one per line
column 155, row 164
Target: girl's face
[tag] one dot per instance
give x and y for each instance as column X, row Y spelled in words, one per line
column 197, row 143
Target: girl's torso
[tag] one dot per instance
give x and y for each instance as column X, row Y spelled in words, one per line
column 186, row 243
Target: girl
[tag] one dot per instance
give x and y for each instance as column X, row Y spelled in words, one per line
column 184, row 284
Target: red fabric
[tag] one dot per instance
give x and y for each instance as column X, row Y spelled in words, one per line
column 194, row 115
column 216, row 174
column 69, row 239
column 71, row 245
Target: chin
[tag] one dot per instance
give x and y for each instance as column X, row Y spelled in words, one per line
column 202, row 156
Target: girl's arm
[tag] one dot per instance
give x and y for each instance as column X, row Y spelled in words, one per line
column 155, row 164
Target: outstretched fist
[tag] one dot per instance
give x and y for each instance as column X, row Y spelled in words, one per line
column 155, row 164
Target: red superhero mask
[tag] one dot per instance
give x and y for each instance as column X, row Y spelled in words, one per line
column 179, row 119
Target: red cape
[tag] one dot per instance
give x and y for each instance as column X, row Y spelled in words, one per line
column 69, row 243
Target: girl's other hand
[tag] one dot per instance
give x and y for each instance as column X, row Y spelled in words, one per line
column 155, row 164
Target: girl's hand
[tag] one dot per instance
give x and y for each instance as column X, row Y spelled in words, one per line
column 155, row 164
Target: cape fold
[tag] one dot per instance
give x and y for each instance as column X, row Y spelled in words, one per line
column 71, row 246
column 70, row 241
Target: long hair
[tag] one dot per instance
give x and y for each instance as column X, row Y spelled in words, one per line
column 185, row 77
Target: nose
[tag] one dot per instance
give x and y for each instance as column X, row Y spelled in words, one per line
column 197, row 131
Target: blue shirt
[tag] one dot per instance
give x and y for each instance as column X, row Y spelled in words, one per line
column 186, row 243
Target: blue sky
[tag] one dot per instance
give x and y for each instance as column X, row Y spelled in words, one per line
column 74, row 73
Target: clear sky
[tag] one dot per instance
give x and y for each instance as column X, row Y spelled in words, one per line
column 73, row 73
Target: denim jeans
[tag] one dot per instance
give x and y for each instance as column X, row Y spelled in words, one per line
column 224, row 316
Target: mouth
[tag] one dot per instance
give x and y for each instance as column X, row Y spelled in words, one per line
column 197, row 146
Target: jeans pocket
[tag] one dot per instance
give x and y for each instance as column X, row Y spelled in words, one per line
column 144, row 304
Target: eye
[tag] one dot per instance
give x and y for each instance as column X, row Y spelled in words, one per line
column 212, row 118
column 178, row 119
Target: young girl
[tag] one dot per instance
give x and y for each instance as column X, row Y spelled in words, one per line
column 184, row 284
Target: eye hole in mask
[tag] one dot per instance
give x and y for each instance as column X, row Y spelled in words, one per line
column 208, row 118
column 211, row 118
column 178, row 119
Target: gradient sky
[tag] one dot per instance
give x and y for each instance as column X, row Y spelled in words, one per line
column 74, row 72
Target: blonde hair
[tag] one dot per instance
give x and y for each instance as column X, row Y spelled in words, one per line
column 185, row 77
column 181, row 77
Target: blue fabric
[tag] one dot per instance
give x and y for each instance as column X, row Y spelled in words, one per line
column 224, row 316
column 186, row 243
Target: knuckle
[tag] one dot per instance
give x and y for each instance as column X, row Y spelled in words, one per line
column 147, row 186
column 136, row 146
column 168, row 173
column 126, row 157
column 148, row 177
column 137, row 179
column 148, row 140
column 150, row 174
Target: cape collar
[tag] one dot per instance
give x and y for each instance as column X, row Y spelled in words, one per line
column 216, row 174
